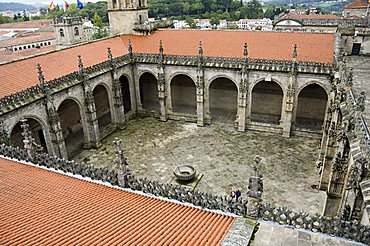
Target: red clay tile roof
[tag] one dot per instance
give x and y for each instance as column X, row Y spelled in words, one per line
column 22, row 74
column 33, row 37
column 27, row 24
column 39, row 207
column 19, row 75
column 263, row 45
column 6, row 56
column 356, row 5
column 311, row 17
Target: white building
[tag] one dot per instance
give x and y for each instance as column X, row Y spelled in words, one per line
column 180, row 24
column 203, row 23
column 222, row 25
column 264, row 24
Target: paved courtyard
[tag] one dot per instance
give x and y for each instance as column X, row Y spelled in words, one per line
column 273, row 234
column 224, row 157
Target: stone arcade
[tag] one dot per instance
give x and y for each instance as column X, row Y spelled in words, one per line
column 289, row 89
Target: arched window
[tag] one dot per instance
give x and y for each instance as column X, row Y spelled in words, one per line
column 77, row 32
column 61, row 32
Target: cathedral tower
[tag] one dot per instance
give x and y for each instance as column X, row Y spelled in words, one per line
column 125, row 15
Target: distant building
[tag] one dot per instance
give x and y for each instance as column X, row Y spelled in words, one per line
column 264, row 24
column 203, row 23
column 70, row 30
column 357, row 8
column 222, row 24
column 180, row 24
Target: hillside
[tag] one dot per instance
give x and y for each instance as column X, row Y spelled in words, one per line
column 16, row 7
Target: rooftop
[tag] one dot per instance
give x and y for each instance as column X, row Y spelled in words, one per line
column 356, row 5
column 6, row 56
column 27, row 39
column 27, row 24
column 310, row 17
column 262, row 45
column 40, row 207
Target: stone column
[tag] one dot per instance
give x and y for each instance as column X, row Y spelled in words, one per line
column 289, row 97
column 200, row 87
column 93, row 138
column 161, row 85
column 289, row 102
column 118, row 109
column 243, row 92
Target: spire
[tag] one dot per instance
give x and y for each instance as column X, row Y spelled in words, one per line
column 81, row 66
column 41, row 76
column 245, row 50
column 129, row 48
column 295, row 52
column 160, row 47
column 110, row 56
column 200, row 50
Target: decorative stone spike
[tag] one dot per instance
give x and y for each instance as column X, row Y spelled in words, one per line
column 160, row 47
column 255, row 189
column 120, row 163
column 28, row 140
column 200, row 50
column 110, row 56
column 245, row 51
column 41, row 76
column 129, row 49
column 81, row 66
column 295, row 51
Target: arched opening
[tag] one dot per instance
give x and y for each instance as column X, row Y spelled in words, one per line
column 267, row 99
column 61, row 32
column 16, row 138
column 149, row 92
column 102, row 106
column 77, row 32
column 311, row 107
column 125, row 89
column 71, row 123
column 183, row 95
column 223, row 95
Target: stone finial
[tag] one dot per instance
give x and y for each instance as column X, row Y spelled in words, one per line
column 110, row 56
column 295, row 51
column 160, row 47
column 120, row 163
column 200, row 50
column 28, row 140
column 360, row 101
column 80, row 65
column 129, row 47
column 41, row 76
column 245, row 50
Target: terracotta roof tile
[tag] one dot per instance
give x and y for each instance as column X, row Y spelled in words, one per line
column 34, row 37
column 27, row 24
column 311, row 17
column 19, row 75
column 263, row 45
column 40, row 207
column 356, row 4
column 22, row 74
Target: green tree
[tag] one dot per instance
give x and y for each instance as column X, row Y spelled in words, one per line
column 97, row 21
column 4, row 19
column 252, row 10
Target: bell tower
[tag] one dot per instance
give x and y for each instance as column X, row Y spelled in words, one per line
column 125, row 15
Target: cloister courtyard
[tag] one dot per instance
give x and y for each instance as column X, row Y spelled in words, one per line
column 222, row 155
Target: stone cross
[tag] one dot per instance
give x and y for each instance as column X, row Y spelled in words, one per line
column 255, row 189
column 120, row 163
column 257, row 166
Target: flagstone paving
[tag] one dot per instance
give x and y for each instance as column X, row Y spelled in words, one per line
column 224, row 157
column 273, row 234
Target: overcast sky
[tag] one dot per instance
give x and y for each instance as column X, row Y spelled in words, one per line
column 46, row 1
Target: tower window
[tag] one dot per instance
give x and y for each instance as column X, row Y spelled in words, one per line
column 77, row 32
column 114, row 3
column 61, row 32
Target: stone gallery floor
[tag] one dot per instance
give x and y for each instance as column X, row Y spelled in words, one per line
column 224, row 157
column 274, row 234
